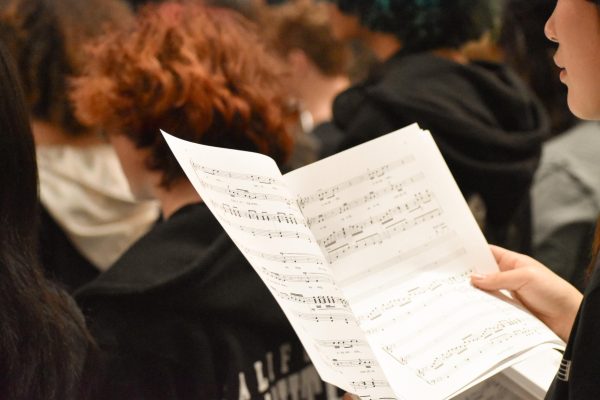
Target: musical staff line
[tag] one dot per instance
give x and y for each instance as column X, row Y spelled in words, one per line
column 361, row 385
column 434, row 370
column 268, row 233
column 235, row 175
column 286, row 258
column 342, row 344
column 305, row 277
column 319, row 302
column 247, row 194
column 330, row 192
column 348, row 241
column 429, row 245
column 346, row 318
column 278, row 217
column 419, row 200
column 356, row 362
column 416, row 292
column 442, row 260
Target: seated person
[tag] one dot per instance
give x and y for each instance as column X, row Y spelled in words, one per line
column 44, row 341
column 317, row 67
column 88, row 216
column 486, row 124
column 182, row 315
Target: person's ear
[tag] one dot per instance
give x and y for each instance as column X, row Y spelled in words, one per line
column 298, row 61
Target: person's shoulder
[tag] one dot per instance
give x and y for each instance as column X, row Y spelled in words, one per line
column 190, row 242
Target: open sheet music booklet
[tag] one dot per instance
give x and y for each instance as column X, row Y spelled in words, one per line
column 369, row 253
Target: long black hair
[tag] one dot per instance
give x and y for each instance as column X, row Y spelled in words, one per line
column 530, row 53
column 43, row 341
column 595, row 259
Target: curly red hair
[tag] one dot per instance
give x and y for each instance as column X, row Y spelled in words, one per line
column 197, row 72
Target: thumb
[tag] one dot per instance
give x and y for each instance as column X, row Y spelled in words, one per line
column 511, row 280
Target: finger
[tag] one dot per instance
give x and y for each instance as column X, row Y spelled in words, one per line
column 510, row 280
column 506, row 259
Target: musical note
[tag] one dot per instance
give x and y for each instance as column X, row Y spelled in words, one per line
column 357, row 362
column 247, row 194
column 330, row 192
column 442, row 285
column 258, row 215
column 391, row 208
column 444, row 259
column 342, row 344
column 273, row 233
column 305, row 277
column 319, row 302
column 328, row 317
column 438, row 366
column 361, row 385
column 348, row 240
column 420, row 200
column 394, row 261
column 287, row 258
column 234, row 175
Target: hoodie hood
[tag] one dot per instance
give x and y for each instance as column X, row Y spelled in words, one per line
column 87, row 194
column 488, row 126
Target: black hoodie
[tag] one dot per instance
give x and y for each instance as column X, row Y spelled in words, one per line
column 182, row 315
column 577, row 377
column 487, row 125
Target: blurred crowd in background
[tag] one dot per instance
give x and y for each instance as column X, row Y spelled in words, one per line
column 298, row 80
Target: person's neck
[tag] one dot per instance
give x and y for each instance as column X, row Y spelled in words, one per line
column 454, row 55
column 317, row 93
column 179, row 194
column 49, row 134
column 383, row 45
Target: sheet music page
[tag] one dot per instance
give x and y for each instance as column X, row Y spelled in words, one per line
column 402, row 245
column 246, row 193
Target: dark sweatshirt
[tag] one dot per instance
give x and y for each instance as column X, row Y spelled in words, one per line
column 487, row 125
column 182, row 315
column 578, row 375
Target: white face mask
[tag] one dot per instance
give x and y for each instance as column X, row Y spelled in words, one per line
column 85, row 191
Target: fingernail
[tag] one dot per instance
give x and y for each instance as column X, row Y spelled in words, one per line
column 478, row 277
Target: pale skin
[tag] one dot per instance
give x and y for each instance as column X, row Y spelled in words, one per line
column 552, row 299
column 315, row 89
column 575, row 26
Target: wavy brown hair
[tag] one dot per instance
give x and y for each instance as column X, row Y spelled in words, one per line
column 305, row 25
column 45, row 38
column 198, row 72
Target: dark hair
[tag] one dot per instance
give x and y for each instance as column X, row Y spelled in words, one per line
column 425, row 24
column 305, row 26
column 43, row 342
column 198, row 72
column 596, row 242
column 45, row 39
column 530, row 53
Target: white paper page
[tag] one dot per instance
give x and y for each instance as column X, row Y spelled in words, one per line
column 526, row 380
column 536, row 373
column 498, row 387
column 402, row 245
column 247, row 195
